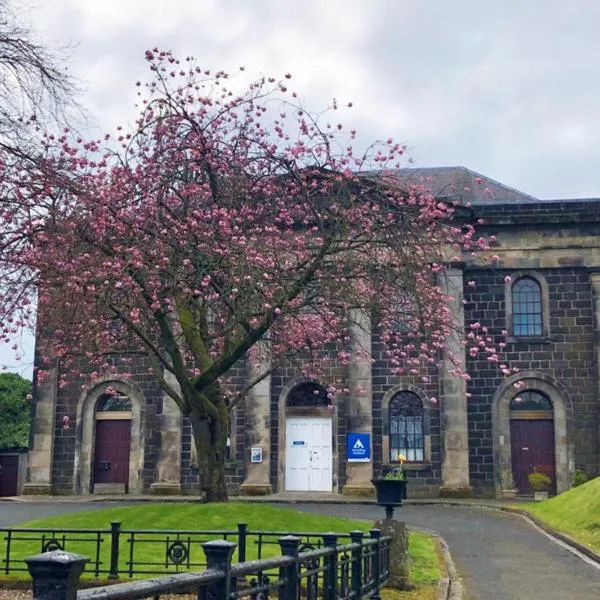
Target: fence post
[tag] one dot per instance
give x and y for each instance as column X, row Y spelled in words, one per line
column 357, row 559
column 330, row 591
column 56, row 574
column 218, row 556
column 242, row 533
column 115, row 534
column 376, row 534
column 289, row 545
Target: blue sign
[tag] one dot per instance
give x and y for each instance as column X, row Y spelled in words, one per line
column 359, row 447
column 298, row 443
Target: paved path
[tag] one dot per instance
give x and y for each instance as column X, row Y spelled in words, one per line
column 498, row 555
column 12, row 513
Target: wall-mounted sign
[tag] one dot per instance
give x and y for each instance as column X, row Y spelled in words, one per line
column 359, row 447
column 298, row 443
column 256, row 454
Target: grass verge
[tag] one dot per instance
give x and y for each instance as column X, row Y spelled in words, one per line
column 426, row 566
column 576, row 513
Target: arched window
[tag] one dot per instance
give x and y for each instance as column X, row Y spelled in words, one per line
column 114, row 403
column 527, row 307
column 406, row 427
column 531, row 400
column 308, row 394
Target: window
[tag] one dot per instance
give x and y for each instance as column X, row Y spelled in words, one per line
column 406, row 427
column 531, row 400
column 527, row 307
column 308, row 394
column 114, row 403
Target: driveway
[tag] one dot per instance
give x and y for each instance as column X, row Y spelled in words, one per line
column 13, row 513
column 498, row 555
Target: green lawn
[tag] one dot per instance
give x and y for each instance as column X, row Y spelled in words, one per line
column 424, row 564
column 165, row 516
column 576, row 513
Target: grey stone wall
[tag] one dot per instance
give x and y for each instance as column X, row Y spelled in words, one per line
column 428, row 479
column 567, row 355
column 67, row 400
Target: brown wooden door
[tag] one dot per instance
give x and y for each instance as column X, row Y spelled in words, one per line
column 111, row 457
column 532, row 449
column 9, row 475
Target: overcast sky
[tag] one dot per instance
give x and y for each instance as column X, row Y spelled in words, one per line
column 508, row 88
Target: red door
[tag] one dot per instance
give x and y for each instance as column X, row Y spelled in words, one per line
column 532, row 449
column 111, row 457
column 9, row 474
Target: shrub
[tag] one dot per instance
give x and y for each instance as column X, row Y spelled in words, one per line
column 539, row 482
column 579, row 477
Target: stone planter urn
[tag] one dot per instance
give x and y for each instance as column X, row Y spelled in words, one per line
column 390, row 493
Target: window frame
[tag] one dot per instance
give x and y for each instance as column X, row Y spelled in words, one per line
column 510, row 282
column 420, row 451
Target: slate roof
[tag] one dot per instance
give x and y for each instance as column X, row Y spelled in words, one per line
column 464, row 186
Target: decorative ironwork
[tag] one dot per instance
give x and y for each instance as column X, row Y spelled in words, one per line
column 178, row 552
column 284, row 577
column 260, row 587
column 406, row 427
column 344, row 566
column 52, row 544
column 117, row 553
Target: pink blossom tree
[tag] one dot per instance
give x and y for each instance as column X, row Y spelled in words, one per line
column 226, row 228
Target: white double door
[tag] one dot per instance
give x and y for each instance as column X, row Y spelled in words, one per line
column 308, row 457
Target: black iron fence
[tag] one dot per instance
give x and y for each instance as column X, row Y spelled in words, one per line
column 116, row 552
column 333, row 571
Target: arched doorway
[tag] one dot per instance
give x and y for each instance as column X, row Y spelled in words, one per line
column 112, row 445
column 532, row 438
column 308, row 439
column 561, row 418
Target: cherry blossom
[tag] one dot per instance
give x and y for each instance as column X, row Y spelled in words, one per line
column 225, row 226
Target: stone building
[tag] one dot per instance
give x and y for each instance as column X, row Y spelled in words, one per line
column 482, row 437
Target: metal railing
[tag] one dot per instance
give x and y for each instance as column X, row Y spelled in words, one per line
column 349, row 571
column 116, row 552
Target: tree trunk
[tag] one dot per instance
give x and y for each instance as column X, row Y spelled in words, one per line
column 210, row 437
